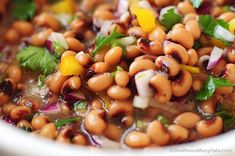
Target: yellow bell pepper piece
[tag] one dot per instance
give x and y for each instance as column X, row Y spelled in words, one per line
column 232, row 26
column 194, row 70
column 64, row 6
column 218, row 43
column 145, row 17
column 70, row 66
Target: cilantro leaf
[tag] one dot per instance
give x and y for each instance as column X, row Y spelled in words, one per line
column 210, row 86
column 196, row 3
column 62, row 122
column 105, row 41
column 208, row 25
column 170, row 19
column 228, row 118
column 24, row 9
column 37, row 58
column 99, row 39
column 162, row 119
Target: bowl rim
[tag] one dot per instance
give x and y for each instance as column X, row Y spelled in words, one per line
column 21, row 143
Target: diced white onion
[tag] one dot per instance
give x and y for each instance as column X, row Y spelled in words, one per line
column 105, row 28
column 64, row 19
column 127, row 40
column 223, row 34
column 141, row 102
column 59, row 37
column 122, row 7
column 146, row 5
column 142, row 83
column 203, row 59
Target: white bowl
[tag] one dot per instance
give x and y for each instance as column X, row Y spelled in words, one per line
column 19, row 143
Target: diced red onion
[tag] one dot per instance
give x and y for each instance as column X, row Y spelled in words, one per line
column 142, row 83
column 122, row 7
column 215, row 57
column 90, row 137
column 48, row 45
column 141, row 102
column 223, row 33
column 146, row 5
column 205, row 8
column 59, row 37
column 9, row 121
column 74, row 96
column 127, row 40
column 50, row 108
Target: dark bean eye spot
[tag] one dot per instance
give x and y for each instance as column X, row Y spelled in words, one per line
column 6, row 87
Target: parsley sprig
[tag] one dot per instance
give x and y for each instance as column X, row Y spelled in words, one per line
column 24, row 9
column 37, row 58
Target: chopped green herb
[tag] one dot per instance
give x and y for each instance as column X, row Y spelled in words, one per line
column 99, row 39
column 208, row 25
column 228, row 118
column 82, row 105
column 27, row 129
column 196, row 3
column 197, row 45
column 170, row 19
column 37, row 58
column 41, row 80
column 226, row 8
column 62, row 122
column 105, row 41
column 141, row 125
column 119, row 68
column 1, row 55
column 24, row 9
column 162, row 119
column 210, row 86
column 58, row 48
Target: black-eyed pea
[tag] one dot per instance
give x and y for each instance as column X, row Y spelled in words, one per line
column 118, row 107
column 150, row 47
column 137, row 139
column 163, row 88
column 216, row 11
column 119, row 93
column 79, row 139
column 25, row 125
column 229, row 73
column 64, row 135
column 187, row 120
column 33, row 102
column 137, row 32
column 49, row 131
column 132, row 51
column 232, row 95
column 20, row 112
column 158, row 133
column 185, row 7
column 162, row 3
column 39, row 121
column 208, row 106
column 24, row 28
column 227, row 16
column 83, row 58
column 6, row 108
column 47, row 20
column 94, row 122
column 178, row 133
column 193, row 27
column 224, row 90
column 39, row 38
column 170, row 65
column 177, row 51
column 100, row 56
column 102, row 15
column 182, row 85
column 189, row 17
column 70, row 33
column 157, row 34
column 12, row 36
column 97, row 84
column 219, row 68
column 113, row 56
column 193, row 57
column 128, row 120
column 197, row 85
column 178, row 26
column 122, row 78
column 74, row 44
column 140, row 65
column 100, row 67
column 96, row 104
column 204, row 51
column 113, row 132
column 231, row 55
column 65, row 108
column 182, row 36
column 72, row 84
column 209, row 128
column 57, row 81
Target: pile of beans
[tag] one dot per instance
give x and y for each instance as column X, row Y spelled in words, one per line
column 110, row 112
